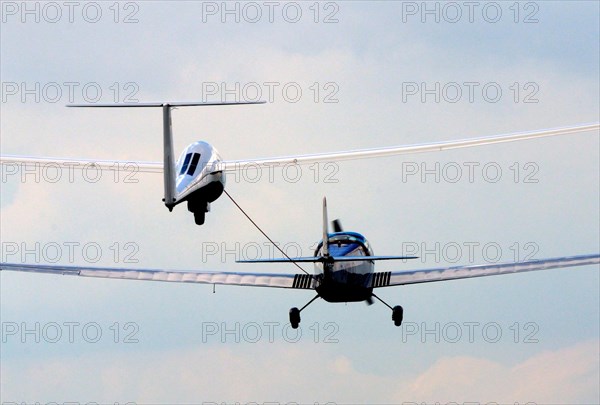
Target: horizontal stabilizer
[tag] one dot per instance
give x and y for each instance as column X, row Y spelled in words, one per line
column 310, row 259
column 333, row 258
column 170, row 104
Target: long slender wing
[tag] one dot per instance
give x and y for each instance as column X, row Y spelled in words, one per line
column 204, row 277
column 126, row 165
column 233, row 165
column 385, row 279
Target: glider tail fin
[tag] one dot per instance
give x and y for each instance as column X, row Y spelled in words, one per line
column 169, row 159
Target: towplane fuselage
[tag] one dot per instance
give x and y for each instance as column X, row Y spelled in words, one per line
column 344, row 281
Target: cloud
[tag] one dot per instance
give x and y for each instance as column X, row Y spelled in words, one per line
column 566, row 375
column 303, row 374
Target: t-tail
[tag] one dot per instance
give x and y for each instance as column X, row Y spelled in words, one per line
column 169, row 159
column 193, row 186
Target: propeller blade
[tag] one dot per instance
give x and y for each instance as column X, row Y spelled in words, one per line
column 325, row 250
column 337, row 225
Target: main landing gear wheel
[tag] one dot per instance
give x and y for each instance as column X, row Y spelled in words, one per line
column 294, row 317
column 397, row 311
column 295, row 313
column 397, row 315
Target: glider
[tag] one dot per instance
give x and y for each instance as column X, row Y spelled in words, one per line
column 198, row 177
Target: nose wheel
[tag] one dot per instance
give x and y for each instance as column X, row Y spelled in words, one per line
column 295, row 314
column 199, row 208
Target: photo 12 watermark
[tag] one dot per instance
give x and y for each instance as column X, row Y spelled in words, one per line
column 71, row 172
column 470, row 252
column 452, row 172
column 271, row 12
column 469, row 332
column 470, row 92
column 89, row 252
column 265, row 172
column 69, row 332
column 292, row 92
column 65, row 92
column 71, row 12
column 268, row 332
column 233, row 251
column 455, row 12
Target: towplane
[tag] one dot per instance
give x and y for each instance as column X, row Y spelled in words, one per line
column 344, row 271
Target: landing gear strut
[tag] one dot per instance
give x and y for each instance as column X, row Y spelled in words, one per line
column 295, row 313
column 397, row 312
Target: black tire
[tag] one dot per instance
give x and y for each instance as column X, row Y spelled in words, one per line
column 397, row 315
column 199, row 217
column 295, row 317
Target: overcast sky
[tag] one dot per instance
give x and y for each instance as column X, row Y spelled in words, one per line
column 336, row 76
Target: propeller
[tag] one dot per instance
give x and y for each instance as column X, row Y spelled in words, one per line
column 337, row 225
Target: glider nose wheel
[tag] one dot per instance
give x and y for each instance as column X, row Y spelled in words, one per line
column 199, row 217
column 199, row 209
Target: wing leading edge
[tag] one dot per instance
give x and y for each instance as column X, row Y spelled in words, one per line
column 126, row 165
column 202, row 277
column 459, row 272
column 233, row 165
column 407, row 149
column 303, row 281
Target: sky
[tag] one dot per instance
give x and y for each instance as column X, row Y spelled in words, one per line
column 336, row 76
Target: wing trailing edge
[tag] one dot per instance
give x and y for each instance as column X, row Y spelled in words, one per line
column 201, row 277
column 461, row 272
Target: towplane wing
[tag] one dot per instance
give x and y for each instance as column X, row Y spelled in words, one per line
column 202, row 277
column 305, row 281
column 394, row 278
